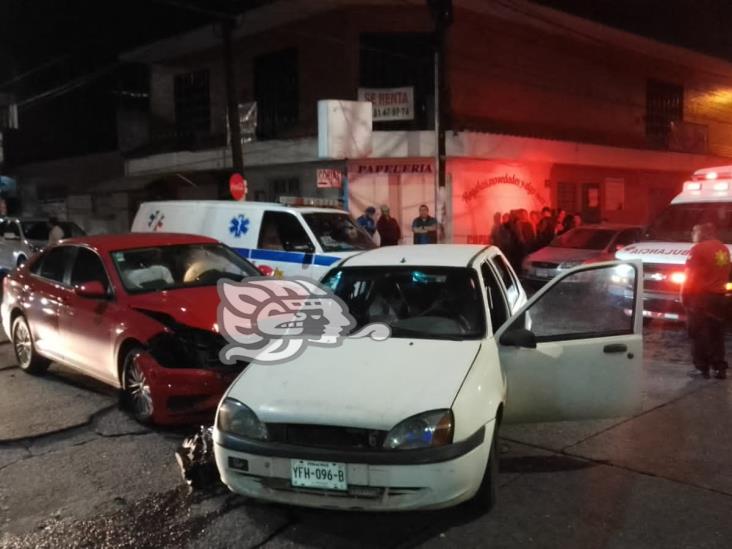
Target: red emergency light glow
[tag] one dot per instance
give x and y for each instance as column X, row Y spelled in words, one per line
column 678, row 277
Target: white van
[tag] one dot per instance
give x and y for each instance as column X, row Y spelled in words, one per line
column 667, row 240
column 297, row 238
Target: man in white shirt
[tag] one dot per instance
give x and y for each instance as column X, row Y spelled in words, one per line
column 56, row 233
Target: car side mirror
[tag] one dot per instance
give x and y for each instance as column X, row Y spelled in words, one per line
column 91, row 290
column 520, row 337
column 11, row 236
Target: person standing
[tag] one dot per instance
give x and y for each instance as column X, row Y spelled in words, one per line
column 545, row 230
column 702, row 294
column 424, row 227
column 56, row 232
column 366, row 221
column 388, row 228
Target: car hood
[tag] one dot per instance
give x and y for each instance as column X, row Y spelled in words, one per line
column 551, row 254
column 362, row 383
column 674, row 253
column 194, row 307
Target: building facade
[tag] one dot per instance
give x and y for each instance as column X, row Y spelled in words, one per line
column 543, row 108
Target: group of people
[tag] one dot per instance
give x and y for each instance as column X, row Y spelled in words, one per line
column 424, row 227
column 519, row 233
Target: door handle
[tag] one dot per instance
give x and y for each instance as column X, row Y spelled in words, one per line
column 615, row 348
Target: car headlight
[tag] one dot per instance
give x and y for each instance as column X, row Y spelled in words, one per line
column 426, row 430
column 237, row 418
column 566, row 265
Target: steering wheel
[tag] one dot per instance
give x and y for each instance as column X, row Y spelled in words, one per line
column 212, row 275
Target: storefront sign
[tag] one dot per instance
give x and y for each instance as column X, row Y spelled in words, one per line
column 389, row 103
column 416, row 167
column 329, row 179
column 526, row 186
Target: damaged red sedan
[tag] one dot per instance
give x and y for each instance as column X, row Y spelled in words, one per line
column 136, row 311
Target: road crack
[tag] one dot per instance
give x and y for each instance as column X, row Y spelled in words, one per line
column 641, row 414
column 610, row 463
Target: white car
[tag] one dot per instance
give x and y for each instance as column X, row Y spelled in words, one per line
column 412, row 421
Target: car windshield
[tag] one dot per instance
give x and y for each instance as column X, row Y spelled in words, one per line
column 337, row 232
column 429, row 302
column 39, row 230
column 181, row 266
column 584, row 238
column 675, row 223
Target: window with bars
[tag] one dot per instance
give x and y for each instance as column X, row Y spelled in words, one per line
column 567, row 196
column 276, row 83
column 285, row 186
column 664, row 105
column 192, row 103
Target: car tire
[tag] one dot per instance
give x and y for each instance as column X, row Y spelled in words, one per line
column 485, row 498
column 25, row 350
column 136, row 391
column 21, row 261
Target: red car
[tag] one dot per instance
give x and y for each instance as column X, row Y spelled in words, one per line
column 137, row 311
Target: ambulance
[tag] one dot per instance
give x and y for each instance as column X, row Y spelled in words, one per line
column 296, row 237
column 667, row 240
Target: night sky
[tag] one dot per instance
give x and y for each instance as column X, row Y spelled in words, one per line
column 77, row 42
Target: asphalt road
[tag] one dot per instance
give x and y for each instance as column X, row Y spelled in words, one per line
column 75, row 471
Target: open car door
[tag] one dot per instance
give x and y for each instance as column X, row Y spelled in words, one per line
column 583, row 356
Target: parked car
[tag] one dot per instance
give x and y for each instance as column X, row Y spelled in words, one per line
column 301, row 237
column 23, row 236
column 412, row 421
column 136, row 311
column 585, row 244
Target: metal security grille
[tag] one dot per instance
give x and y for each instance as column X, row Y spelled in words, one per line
column 567, row 196
column 192, row 103
column 664, row 105
column 276, row 90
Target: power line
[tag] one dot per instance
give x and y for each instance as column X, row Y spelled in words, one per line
column 34, row 70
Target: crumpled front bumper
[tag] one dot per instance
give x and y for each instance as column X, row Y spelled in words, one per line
column 184, row 395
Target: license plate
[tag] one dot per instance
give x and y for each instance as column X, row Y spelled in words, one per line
column 544, row 273
column 318, row 474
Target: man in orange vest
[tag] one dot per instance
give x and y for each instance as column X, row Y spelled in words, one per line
column 707, row 274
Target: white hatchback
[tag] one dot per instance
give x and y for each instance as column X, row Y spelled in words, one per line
column 412, row 421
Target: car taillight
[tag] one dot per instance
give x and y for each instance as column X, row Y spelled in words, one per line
column 678, row 277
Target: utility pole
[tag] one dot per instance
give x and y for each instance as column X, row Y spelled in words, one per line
column 442, row 16
column 237, row 158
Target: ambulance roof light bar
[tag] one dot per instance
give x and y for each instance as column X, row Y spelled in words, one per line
column 301, row 201
column 711, row 174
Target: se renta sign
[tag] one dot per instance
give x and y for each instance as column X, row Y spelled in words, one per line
column 389, row 103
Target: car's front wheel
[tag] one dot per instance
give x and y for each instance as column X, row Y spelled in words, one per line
column 487, row 495
column 137, row 393
column 25, row 351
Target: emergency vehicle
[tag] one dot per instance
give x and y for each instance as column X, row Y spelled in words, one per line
column 297, row 237
column 667, row 240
